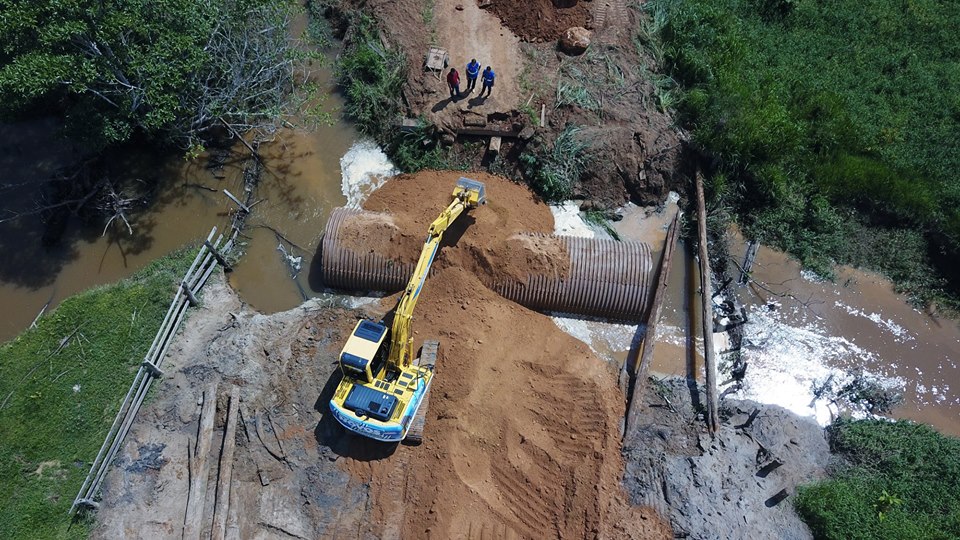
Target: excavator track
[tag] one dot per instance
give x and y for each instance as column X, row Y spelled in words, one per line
column 428, row 359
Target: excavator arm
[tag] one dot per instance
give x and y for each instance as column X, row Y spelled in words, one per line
column 380, row 400
column 401, row 341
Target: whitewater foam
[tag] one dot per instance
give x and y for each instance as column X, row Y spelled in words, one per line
column 363, row 169
column 567, row 221
column 788, row 362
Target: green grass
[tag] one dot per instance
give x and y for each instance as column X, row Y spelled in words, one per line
column 371, row 77
column 815, row 110
column 599, row 218
column 554, row 169
column 901, row 481
column 64, row 399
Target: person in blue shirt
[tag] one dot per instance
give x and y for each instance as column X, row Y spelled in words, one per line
column 488, row 77
column 473, row 71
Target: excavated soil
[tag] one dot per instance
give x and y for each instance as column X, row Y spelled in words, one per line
column 523, row 429
column 522, row 436
column 539, row 20
column 506, row 239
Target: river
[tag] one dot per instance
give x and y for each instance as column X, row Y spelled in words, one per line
column 801, row 331
column 300, row 185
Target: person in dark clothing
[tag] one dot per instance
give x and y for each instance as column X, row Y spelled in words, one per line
column 473, row 71
column 488, row 78
column 453, row 81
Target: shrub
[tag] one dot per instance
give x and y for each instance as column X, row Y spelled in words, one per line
column 553, row 171
column 901, row 480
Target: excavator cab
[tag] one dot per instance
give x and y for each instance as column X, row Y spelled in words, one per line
column 363, row 355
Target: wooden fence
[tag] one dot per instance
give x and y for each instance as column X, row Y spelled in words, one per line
column 210, row 254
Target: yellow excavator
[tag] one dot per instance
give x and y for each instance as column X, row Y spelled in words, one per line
column 384, row 390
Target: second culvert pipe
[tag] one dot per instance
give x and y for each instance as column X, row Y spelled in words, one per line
column 603, row 278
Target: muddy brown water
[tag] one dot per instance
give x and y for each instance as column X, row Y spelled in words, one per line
column 869, row 326
column 300, row 184
column 856, row 322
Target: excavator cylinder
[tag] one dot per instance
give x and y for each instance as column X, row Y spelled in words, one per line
column 604, row 278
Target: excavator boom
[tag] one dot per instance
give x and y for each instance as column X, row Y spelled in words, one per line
column 382, row 387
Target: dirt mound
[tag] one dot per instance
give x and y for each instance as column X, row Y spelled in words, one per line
column 504, row 239
column 539, row 20
column 522, row 436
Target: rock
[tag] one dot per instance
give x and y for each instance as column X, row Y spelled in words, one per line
column 448, row 139
column 575, row 40
column 527, row 133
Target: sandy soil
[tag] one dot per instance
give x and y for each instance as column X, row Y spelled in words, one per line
column 502, row 240
column 523, row 429
column 468, row 32
column 637, row 152
column 524, row 420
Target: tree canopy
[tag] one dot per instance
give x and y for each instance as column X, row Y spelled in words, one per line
column 170, row 68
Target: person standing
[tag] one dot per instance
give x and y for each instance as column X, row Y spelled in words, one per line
column 488, row 78
column 473, row 71
column 453, row 81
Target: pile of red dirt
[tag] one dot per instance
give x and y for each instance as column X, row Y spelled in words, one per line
column 533, row 20
column 523, row 431
column 492, row 241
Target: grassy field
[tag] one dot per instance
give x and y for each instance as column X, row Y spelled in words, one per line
column 61, row 385
column 901, row 481
column 826, row 120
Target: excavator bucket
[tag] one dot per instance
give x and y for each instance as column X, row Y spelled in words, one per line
column 476, row 192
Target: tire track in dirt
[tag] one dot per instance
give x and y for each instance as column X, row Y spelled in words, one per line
column 610, row 17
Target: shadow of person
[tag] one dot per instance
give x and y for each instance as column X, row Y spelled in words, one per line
column 477, row 101
column 442, row 104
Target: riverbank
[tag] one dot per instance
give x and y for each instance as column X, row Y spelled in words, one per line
column 60, row 385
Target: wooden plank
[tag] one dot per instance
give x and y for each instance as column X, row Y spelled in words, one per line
column 216, row 254
column 639, row 370
column 233, row 519
column 494, row 147
column 706, row 310
column 200, row 466
column 487, row 132
column 190, row 296
column 752, row 248
column 242, row 206
column 223, row 496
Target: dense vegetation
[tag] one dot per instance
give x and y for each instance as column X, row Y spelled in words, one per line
column 900, row 481
column 171, row 69
column 833, row 126
column 60, row 386
column 372, row 77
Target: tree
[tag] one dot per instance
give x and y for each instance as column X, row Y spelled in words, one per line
column 174, row 69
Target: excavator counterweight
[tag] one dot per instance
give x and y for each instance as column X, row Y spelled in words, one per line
column 384, row 385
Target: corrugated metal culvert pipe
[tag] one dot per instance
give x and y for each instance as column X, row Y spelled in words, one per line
column 604, row 278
